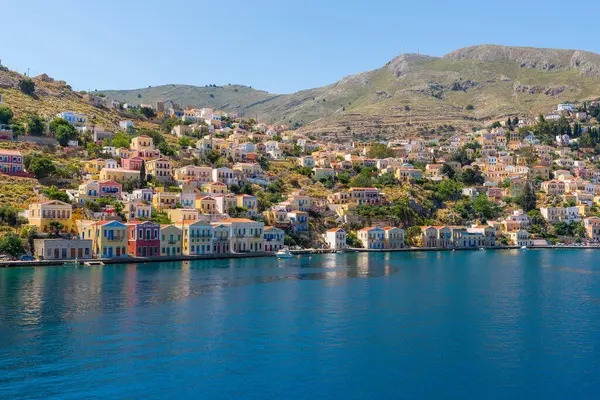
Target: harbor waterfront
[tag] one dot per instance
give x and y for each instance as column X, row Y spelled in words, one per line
column 480, row 324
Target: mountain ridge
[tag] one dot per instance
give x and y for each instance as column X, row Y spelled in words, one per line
column 410, row 93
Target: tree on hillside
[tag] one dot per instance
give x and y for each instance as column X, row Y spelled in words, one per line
column 65, row 133
column 448, row 171
column 6, row 115
column 379, row 150
column 53, row 193
column 41, row 167
column 471, row 176
column 27, row 86
column 485, row 208
column 148, row 112
column 35, row 126
column 527, row 200
column 120, row 139
column 143, row 177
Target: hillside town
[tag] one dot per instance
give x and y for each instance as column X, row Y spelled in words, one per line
column 207, row 182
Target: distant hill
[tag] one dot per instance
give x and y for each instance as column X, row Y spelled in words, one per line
column 465, row 88
column 51, row 97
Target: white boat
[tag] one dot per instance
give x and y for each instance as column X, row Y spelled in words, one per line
column 72, row 263
column 284, row 253
column 523, row 247
column 482, row 249
column 93, row 263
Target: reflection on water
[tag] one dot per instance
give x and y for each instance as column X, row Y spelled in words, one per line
column 60, row 293
column 501, row 325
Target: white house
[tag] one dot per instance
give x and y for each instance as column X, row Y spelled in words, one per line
column 336, row 238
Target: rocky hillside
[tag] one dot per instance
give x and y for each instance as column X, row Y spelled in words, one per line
column 50, row 97
column 412, row 92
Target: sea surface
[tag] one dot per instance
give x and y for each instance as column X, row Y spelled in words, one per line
column 443, row 325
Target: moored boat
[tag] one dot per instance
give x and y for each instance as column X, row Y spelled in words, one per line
column 284, row 253
column 71, row 263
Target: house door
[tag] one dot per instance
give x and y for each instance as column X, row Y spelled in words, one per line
column 144, row 251
column 110, row 251
column 80, row 253
column 73, row 253
column 118, row 251
column 56, row 257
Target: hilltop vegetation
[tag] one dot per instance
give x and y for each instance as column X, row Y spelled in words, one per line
column 465, row 88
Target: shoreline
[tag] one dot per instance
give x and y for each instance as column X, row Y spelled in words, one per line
column 138, row 260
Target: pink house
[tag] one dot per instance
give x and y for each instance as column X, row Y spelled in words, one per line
column 110, row 188
column 133, row 163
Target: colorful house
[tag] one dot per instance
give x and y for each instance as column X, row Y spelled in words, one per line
column 197, row 237
column 372, row 238
column 206, row 205
column 274, row 238
column 170, row 240
column 11, row 161
column 118, row 174
column 41, row 215
column 161, row 169
column 109, row 238
column 143, row 239
column 221, row 240
column 133, row 163
column 246, row 235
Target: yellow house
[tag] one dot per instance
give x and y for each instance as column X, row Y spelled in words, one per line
column 161, row 169
column 118, row 174
column 109, row 238
column 206, row 205
column 142, row 142
column 93, row 167
column 215, row 188
column 170, row 240
column 163, row 200
column 42, row 214
column 183, row 214
column 197, row 237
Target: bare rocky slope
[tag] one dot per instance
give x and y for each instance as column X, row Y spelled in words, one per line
column 465, row 88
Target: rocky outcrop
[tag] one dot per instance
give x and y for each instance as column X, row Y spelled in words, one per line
column 528, row 57
column 403, row 64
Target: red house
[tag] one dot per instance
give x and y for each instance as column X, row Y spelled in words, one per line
column 11, row 162
column 110, row 189
column 133, row 163
column 143, row 239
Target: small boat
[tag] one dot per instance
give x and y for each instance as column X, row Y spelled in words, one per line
column 71, row 263
column 482, row 249
column 523, row 247
column 93, row 263
column 284, row 253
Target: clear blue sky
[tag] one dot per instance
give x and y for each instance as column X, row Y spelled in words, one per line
column 280, row 46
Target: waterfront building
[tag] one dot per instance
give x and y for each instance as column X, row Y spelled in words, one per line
column 274, row 238
column 170, row 240
column 336, row 238
column 143, row 238
column 372, row 238
column 62, row 249
column 197, row 237
column 246, row 235
column 45, row 215
column 109, row 238
column 394, row 237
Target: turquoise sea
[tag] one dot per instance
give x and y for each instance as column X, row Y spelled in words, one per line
column 484, row 325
